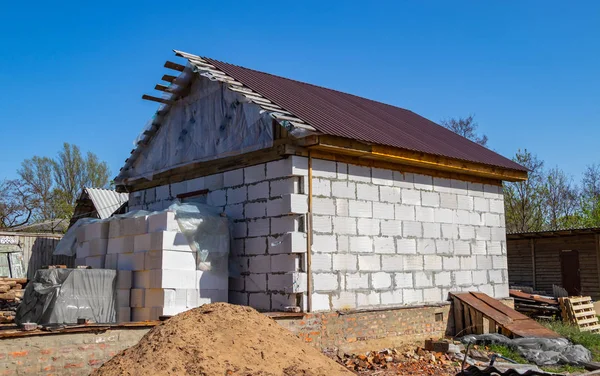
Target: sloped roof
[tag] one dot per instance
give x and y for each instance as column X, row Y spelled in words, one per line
column 106, row 201
column 335, row 113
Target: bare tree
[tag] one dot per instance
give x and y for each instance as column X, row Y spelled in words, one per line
column 36, row 175
column 16, row 207
column 590, row 196
column 560, row 199
column 523, row 200
column 466, row 127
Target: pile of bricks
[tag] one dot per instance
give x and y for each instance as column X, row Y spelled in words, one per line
column 156, row 267
column 11, row 292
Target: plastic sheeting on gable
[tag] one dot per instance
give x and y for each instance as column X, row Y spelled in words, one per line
column 210, row 122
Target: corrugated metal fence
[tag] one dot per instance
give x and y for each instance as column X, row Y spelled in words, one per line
column 37, row 250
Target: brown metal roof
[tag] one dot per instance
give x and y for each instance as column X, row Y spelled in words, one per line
column 340, row 114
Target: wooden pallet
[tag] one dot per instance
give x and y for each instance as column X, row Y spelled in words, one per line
column 579, row 310
column 478, row 313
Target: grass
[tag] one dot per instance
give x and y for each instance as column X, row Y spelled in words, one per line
column 508, row 353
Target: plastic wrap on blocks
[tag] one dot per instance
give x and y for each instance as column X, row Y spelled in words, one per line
column 163, row 240
column 170, row 260
column 174, row 279
column 83, row 250
column 163, row 221
column 211, row 280
column 134, row 225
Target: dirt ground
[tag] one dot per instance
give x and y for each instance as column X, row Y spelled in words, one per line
column 221, row 339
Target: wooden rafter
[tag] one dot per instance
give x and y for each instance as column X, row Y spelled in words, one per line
column 168, row 78
column 174, row 66
column 156, row 99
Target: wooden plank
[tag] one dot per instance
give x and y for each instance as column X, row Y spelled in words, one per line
column 533, row 262
column 478, row 321
column 511, row 313
column 579, row 299
column 458, row 317
column 156, row 99
column 467, row 317
column 174, row 66
column 492, row 328
column 587, row 321
column 486, row 325
column 168, row 78
column 487, row 311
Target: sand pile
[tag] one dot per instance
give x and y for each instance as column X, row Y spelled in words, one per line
column 220, row 339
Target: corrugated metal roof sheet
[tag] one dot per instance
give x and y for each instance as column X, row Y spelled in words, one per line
column 106, row 201
column 339, row 114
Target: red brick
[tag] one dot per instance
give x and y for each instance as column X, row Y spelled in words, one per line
column 46, row 351
column 19, row 354
column 73, row 365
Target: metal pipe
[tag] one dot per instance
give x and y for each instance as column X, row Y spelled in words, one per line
column 308, row 226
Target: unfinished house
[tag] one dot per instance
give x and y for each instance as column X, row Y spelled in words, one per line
column 338, row 202
column 568, row 258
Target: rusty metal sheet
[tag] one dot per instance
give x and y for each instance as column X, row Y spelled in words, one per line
column 536, row 298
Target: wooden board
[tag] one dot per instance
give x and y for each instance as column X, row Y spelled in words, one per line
column 478, row 307
column 579, row 310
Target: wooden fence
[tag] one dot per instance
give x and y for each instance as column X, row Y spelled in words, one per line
column 37, row 250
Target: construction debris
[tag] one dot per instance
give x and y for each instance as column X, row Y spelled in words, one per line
column 11, row 293
column 579, row 311
column 534, row 305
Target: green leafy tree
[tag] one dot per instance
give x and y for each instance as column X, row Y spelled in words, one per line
column 590, row 196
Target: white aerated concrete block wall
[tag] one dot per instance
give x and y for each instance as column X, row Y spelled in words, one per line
column 383, row 238
column 267, row 204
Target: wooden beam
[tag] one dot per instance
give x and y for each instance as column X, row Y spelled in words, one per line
column 168, row 78
column 166, row 89
column 174, row 66
column 458, row 316
column 597, row 241
column 156, row 99
column 532, row 245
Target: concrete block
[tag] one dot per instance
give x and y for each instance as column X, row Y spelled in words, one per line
column 179, row 188
column 323, row 206
column 235, row 211
column 432, row 262
column 391, row 297
column 325, row 281
column 480, row 277
column 123, row 314
column 382, row 176
column 163, row 240
column 123, row 244
column 466, row 232
column 255, row 174
column 491, row 191
column 383, row 210
column 259, row 264
column 216, row 198
column 141, row 314
column 449, row 200
column 322, row 262
column 141, row 279
column 285, row 224
column 468, row 262
column 410, row 197
column 501, row 290
column 369, row 262
column 404, row 180
column 499, row 262
column 368, row 192
column 442, row 215
column 426, row 246
column 444, row 247
column 324, row 243
column 259, row 191
column 343, row 243
column 233, row 178
column 255, row 282
column 360, row 209
column 284, row 187
column 80, row 234
column 344, row 300
column 194, row 185
column 124, row 279
column 484, row 262
column 255, row 246
column 491, row 219
column 83, row 250
column 414, row 262
column 96, row 262
column 403, row 280
column 138, row 261
column 410, row 229
column 290, row 283
column 96, row 230
column 291, row 242
column 479, row 247
column 137, row 298
column 431, row 199
column 157, row 312
column 412, row 296
column 423, row 279
column 285, row 263
column 344, row 225
column 163, row 221
column 344, row 262
column 258, row 227
column 134, row 225
column 463, row 278
column 98, row 246
column 168, row 260
column 390, row 227
column 432, row 230
column 423, row 182
column 497, row 206
column 381, row 280
column 432, row 295
column 256, row 209
column 498, row 234
column 449, row 230
column 207, row 280
column 163, row 192
column 476, row 219
column 359, row 173
column 384, row 244
column 324, row 168
column 281, row 300
column 483, row 233
column 343, row 189
column 123, row 298
column 173, row 279
column 481, row 204
column 321, row 302
column 356, row 281
column 321, row 187
column 322, row 223
column 341, row 207
column 237, row 195
column 392, row 263
column 289, row 204
column 111, row 261
column 260, row 301
column 442, row 185
column 494, row 248
column 406, row 246
column 240, row 230
column 80, row 262
column 403, row 212
column 367, row 299
column 361, row 244
column 442, row 279
column 451, row 263
column 462, row 247
column 280, row 168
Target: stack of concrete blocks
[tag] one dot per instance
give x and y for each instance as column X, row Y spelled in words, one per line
column 267, row 204
column 92, row 240
column 386, row 238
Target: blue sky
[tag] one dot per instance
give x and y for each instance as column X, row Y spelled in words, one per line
column 529, row 71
